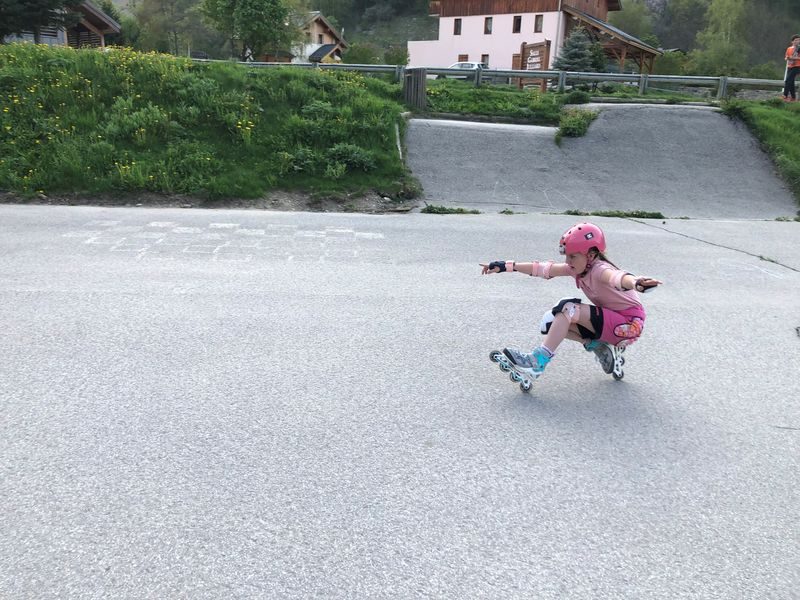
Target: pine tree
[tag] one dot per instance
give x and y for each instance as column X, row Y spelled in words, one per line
column 577, row 54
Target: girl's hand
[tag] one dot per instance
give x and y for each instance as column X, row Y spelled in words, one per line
column 646, row 284
column 497, row 266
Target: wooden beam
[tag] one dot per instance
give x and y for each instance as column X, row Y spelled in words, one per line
column 96, row 31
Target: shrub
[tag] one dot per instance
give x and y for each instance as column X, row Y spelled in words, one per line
column 577, row 97
column 353, row 157
column 575, row 123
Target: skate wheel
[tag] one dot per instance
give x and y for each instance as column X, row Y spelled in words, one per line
column 514, row 376
column 504, row 367
column 495, row 355
column 525, row 386
column 618, row 376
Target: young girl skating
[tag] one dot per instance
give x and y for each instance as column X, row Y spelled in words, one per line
column 616, row 314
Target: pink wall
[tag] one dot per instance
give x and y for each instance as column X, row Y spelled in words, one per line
column 500, row 45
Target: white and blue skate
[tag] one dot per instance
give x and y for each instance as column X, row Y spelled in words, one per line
column 524, row 378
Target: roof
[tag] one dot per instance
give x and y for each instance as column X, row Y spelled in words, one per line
column 612, row 31
column 98, row 18
column 322, row 52
column 465, row 8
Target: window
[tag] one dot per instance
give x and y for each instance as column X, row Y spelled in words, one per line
column 457, row 27
column 487, row 25
column 538, row 23
column 517, row 24
column 485, row 60
column 463, row 57
column 320, row 39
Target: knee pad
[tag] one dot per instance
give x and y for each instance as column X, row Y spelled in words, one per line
column 568, row 306
column 547, row 321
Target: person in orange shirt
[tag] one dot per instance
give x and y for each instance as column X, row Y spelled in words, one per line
column 792, row 69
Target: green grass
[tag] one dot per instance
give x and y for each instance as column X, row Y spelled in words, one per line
column 433, row 209
column 574, row 123
column 98, row 122
column 631, row 92
column 777, row 126
column 462, row 97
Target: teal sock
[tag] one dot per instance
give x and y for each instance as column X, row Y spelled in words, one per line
column 547, row 351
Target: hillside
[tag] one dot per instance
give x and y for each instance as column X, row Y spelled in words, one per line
column 754, row 33
column 122, row 121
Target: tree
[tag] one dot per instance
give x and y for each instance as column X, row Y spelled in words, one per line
column 114, row 39
column 680, row 22
column 164, row 23
column 577, row 54
column 254, row 26
column 635, row 18
column 18, row 16
column 361, row 54
column 722, row 46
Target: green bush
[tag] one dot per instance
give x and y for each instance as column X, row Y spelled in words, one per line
column 577, row 97
column 353, row 157
column 575, row 123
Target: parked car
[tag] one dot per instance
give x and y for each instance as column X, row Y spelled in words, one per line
column 468, row 65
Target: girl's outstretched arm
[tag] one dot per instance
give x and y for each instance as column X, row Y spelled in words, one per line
column 627, row 281
column 545, row 270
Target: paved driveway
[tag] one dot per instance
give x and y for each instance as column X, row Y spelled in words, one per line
column 679, row 161
column 246, row 404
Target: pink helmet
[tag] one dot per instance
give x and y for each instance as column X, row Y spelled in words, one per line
column 581, row 238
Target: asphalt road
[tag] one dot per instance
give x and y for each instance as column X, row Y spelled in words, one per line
column 679, row 161
column 243, row 404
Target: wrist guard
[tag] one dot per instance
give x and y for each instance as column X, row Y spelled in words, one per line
column 500, row 265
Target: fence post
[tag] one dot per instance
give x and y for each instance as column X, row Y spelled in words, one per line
column 478, row 77
column 643, row 81
column 562, row 81
column 398, row 73
column 415, row 82
column 723, row 88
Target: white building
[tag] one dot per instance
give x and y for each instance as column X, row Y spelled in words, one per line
column 493, row 31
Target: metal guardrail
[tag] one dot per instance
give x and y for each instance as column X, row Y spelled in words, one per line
column 484, row 76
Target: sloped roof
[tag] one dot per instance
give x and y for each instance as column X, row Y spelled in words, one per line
column 98, row 18
column 612, row 31
column 322, row 52
column 318, row 16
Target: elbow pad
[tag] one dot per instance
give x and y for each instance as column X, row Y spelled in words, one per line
column 541, row 269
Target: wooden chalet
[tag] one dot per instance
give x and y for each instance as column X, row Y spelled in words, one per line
column 321, row 43
column 90, row 31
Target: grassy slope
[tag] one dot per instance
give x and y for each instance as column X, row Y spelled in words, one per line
column 777, row 126
column 99, row 122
